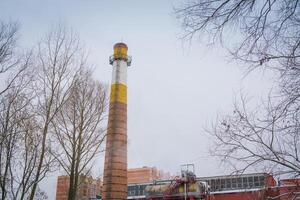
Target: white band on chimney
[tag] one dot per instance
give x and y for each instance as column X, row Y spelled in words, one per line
column 119, row 75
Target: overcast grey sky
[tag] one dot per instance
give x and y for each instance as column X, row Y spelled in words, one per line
column 174, row 89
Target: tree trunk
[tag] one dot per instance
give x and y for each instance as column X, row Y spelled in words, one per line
column 72, row 191
column 38, row 173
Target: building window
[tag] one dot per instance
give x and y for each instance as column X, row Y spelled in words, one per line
column 144, row 187
column 256, row 181
column 223, row 186
column 218, row 184
column 141, row 190
column 133, row 190
column 209, row 183
column 245, row 182
column 262, row 180
column 234, row 186
column 228, row 183
column 250, row 181
column 213, row 185
column 239, row 183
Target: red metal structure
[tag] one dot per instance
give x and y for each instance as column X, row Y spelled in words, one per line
column 257, row 186
column 185, row 187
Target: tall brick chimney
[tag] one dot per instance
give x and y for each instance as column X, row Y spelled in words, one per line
column 115, row 166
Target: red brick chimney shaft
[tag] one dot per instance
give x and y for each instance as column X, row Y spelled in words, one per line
column 115, row 166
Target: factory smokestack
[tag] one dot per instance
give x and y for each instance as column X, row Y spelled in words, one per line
column 115, row 166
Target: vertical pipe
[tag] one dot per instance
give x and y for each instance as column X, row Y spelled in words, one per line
column 115, row 165
column 185, row 191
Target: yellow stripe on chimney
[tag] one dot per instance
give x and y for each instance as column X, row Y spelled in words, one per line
column 118, row 93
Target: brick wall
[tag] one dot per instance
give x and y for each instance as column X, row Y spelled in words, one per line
column 62, row 188
column 88, row 188
column 145, row 175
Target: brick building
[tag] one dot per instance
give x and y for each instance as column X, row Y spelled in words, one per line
column 62, row 187
column 145, row 175
column 89, row 188
column 287, row 189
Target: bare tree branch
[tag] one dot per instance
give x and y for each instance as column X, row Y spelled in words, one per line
column 257, row 140
column 58, row 61
column 266, row 33
column 78, row 128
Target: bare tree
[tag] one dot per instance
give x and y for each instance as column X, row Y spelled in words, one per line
column 261, row 140
column 58, row 59
column 266, row 32
column 9, row 59
column 268, row 35
column 78, row 128
column 269, row 29
column 19, row 140
column 30, row 103
column 26, row 160
column 15, row 109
